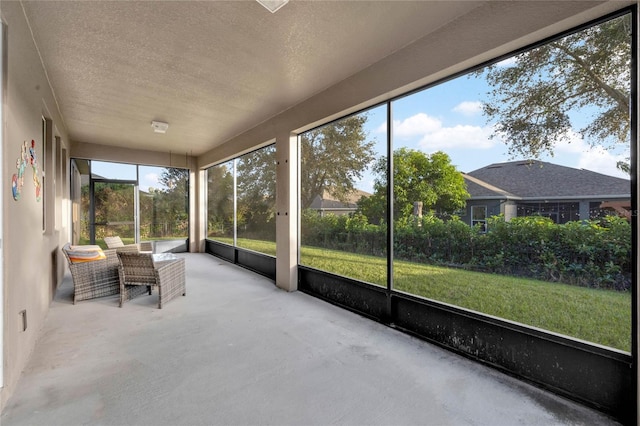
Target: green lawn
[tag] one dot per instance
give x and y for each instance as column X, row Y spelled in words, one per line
column 125, row 240
column 598, row 316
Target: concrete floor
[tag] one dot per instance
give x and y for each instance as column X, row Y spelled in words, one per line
column 239, row 351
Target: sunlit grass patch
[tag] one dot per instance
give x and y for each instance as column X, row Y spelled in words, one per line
column 598, row 316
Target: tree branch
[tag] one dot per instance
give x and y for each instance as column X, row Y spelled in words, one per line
column 619, row 97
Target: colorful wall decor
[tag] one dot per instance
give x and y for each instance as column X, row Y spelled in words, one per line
column 27, row 156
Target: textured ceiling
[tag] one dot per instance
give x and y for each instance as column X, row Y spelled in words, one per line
column 214, row 69
column 211, row 69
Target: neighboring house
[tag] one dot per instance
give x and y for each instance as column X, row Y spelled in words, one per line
column 526, row 188
column 328, row 204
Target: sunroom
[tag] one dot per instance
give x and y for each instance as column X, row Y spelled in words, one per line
column 210, row 127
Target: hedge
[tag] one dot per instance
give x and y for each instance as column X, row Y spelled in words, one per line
column 594, row 253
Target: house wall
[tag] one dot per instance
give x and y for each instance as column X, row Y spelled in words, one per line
column 510, row 210
column 32, row 264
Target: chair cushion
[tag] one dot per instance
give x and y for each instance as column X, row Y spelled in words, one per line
column 88, row 253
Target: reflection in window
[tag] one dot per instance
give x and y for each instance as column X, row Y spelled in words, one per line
column 479, row 217
column 343, row 197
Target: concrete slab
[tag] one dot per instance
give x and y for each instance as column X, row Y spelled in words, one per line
column 239, row 351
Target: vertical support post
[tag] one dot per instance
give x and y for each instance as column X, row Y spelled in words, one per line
column 197, row 210
column 635, row 164
column 92, row 208
column 136, row 207
column 287, row 236
column 235, row 207
column 390, row 218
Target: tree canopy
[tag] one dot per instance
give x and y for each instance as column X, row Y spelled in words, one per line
column 418, row 177
column 256, row 192
column 532, row 98
column 220, row 200
column 333, row 158
column 168, row 214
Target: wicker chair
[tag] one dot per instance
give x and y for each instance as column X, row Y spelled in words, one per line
column 95, row 278
column 116, row 243
column 139, row 274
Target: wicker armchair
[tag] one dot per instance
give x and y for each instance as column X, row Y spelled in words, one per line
column 116, row 243
column 139, row 274
column 92, row 278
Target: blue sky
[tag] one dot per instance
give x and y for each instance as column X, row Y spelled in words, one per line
column 448, row 117
column 149, row 175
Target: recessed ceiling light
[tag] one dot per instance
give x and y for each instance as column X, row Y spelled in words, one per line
column 273, row 5
column 159, row 126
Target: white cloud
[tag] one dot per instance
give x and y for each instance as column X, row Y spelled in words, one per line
column 594, row 158
column 460, row 136
column 416, row 125
column 469, row 107
column 602, row 161
column 149, row 180
column 573, row 144
column 434, row 136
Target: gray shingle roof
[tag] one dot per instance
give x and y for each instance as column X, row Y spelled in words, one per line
column 539, row 179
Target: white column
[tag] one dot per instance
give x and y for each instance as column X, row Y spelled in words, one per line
column 197, row 209
column 287, row 212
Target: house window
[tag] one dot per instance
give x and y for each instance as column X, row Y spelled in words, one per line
column 241, row 201
column 479, row 217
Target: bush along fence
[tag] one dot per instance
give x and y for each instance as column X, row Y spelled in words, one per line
column 594, row 253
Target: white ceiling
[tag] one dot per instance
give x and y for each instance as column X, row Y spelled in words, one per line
column 212, row 69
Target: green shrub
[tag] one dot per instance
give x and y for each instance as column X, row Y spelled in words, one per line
column 593, row 253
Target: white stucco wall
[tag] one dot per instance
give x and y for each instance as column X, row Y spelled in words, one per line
column 32, row 264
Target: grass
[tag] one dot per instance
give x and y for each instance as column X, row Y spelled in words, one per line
column 126, row 240
column 598, row 316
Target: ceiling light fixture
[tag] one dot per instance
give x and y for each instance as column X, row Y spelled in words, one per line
column 159, row 126
column 273, row 5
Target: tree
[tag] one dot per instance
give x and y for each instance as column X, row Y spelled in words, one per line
column 532, row 100
column 333, row 158
column 220, row 200
column 257, row 175
column 170, row 205
column 417, row 177
column 172, row 178
column 256, row 192
column 113, row 208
